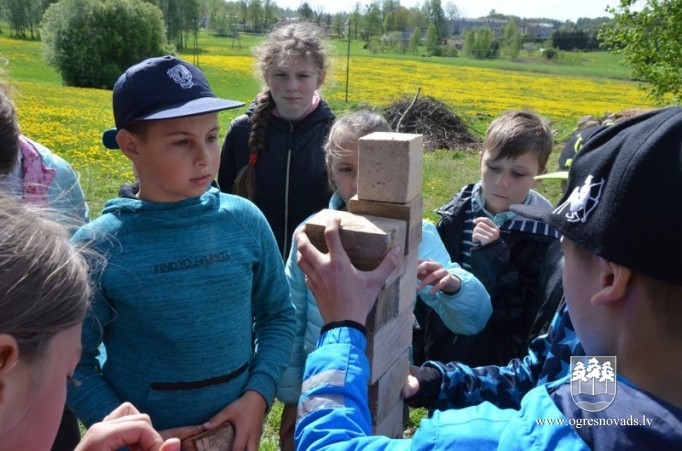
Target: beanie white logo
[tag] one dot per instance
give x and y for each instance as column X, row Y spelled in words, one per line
column 181, row 75
column 582, row 201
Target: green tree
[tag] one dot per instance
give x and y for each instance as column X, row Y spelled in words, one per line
column 511, row 40
column 216, row 16
column 355, row 17
column 480, row 43
column 256, row 13
column 452, row 11
column 23, row 16
column 431, row 40
column 388, row 8
column 268, row 13
column 649, row 41
column 415, row 41
column 182, row 20
column 436, row 16
column 91, row 42
column 372, row 20
column 306, row 12
column 339, row 25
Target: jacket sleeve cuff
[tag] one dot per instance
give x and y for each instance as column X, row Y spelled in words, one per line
column 430, row 380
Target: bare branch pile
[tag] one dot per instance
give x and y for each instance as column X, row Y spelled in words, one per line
column 440, row 126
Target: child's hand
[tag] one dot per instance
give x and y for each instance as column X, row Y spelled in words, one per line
column 485, row 231
column 247, row 415
column 430, row 272
column 125, row 426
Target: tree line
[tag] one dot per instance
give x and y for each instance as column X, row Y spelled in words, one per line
column 89, row 42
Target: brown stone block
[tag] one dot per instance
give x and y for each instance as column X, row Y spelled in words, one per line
column 366, row 239
column 411, row 212
column 386, row 307
column 392, row 424
column 385, row 392
column 407, row 290
column 220, row 438
column 388, row 344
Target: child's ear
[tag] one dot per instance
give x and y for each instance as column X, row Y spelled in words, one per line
column 128, row 144
column 614, row 280
column 320, row 79
column 541, row 172
column 9, row 353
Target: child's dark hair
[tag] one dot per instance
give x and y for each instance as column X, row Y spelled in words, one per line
column 514, row 133
column 289, row 41
column 9, row 133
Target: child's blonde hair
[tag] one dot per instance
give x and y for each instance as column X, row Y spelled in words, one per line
column 345, row 133
column 44, row 285
column 516, row 132
column 283, row 43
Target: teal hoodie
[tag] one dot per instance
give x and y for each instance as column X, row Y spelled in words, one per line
column 191, row 304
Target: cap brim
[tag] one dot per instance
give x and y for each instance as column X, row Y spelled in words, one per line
column 531, row 211
column 559, row 175
column 109, row 138
column 195, row 107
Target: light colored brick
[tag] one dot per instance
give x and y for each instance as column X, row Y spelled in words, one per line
column 390, row 167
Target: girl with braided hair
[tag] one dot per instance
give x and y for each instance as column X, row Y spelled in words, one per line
column 273, row 153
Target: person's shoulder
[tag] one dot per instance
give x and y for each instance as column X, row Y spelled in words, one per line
column 461, row 196
column 237, row 206
column 538, row 200
column 324, row 110
column 242, row 121
column 98, row 231
column 51, row 159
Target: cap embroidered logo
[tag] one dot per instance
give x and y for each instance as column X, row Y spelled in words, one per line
column 582, row 201
column 181, row 75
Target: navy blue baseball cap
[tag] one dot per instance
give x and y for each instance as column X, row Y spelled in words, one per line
column 622, row 201
column 163, row 87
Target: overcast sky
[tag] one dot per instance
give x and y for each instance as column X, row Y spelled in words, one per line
column 552, row 9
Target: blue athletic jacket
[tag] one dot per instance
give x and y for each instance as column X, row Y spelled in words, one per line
column 333, row 413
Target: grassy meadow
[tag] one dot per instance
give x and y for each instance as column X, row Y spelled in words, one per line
column 70, row 120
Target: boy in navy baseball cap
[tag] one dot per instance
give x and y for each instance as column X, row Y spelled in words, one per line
column 620, row 219
column 192, row 279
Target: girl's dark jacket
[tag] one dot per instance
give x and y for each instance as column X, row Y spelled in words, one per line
column 291, row 176
column 510, row 269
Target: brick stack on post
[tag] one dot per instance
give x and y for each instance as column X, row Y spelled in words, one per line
column 386, row 211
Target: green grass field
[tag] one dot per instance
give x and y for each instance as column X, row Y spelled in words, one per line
column 70, row 120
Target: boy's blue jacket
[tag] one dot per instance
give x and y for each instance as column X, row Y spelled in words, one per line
column 191, row 304
column 333, row 414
